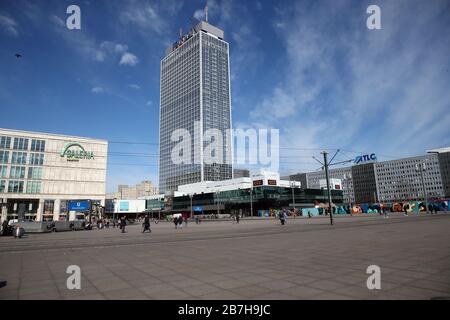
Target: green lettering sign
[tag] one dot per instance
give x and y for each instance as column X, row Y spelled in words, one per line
column 75, row 152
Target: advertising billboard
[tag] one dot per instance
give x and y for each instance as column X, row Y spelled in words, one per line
column 79, row 205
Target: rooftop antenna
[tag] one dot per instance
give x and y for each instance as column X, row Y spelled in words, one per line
column 206, row 12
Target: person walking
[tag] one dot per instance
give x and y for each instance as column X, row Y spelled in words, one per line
column 180, row 222
column 175, row 221
column 123, row 223
column 5, row 227
column 146, row 224
column 237, row 218
column 405, row 210
column 385, row 212
column 309, row 214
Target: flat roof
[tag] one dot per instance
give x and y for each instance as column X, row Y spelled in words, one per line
column 52, row 135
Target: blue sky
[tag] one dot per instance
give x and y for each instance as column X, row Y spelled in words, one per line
column 309, row 68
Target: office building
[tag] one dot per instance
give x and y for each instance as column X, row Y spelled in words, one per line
column 41, row 173
column 195, row 96
column 143, row 189
column 390, row 181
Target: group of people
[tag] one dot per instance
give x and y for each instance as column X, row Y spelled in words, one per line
column 178, row 221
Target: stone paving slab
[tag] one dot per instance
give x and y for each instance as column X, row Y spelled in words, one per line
column 258, row 259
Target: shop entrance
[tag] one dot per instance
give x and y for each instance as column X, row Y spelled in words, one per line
column 22, row 209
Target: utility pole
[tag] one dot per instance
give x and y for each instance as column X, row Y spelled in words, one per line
column 325, row 161
column 325, row 166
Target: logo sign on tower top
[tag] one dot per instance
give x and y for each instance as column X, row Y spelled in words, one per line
column 365, row 158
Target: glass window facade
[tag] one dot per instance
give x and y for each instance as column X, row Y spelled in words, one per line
column 4, row 156
column 33, row 187
column 3, row 171
column 15, row 186
column 19, row 157
column 17, row 172
column 20, row 144
column 5, row 142
column 34, row 173
column 37, row 145
column 36, row 159
column 2, row 186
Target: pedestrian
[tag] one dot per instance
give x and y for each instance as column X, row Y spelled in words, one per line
column 405, row 210
column 175, row 221
column 146, row 224
column 385, row 212
column 123, row 223
column 282, row 217
column 309, row 214
column 237, row 218
column 5, row 227
column 180, row 222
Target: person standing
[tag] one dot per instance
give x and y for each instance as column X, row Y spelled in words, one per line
column 123, row 223
column 282, row 217
column 237, row 218
column 175, row 221
column 146, row 224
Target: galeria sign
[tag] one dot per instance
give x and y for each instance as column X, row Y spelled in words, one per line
column 75, row 152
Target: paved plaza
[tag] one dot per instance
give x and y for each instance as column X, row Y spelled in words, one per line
column 257, row 259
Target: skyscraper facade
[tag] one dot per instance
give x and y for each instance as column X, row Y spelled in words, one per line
column 195, row 96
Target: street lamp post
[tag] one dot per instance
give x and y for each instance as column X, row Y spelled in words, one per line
column 292, row 183
column 421, row 168
column 251, row 200
column 191, row 196
column 325, row 161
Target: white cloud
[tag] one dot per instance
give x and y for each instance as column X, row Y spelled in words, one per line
column 98, row 90
column 199, row 14
column 113, row 47
column 129, row 59
column 9, row 25
column 57, row 21
column 150, row 16
column 149, row 103
column 134, row 86
column 350, row 87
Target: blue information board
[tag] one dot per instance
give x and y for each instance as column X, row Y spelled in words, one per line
column 197, row 209
column 81, row 205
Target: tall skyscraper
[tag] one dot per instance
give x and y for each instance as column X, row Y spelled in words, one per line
column 195, row 95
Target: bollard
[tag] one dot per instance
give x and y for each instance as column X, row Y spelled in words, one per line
column 18, row 232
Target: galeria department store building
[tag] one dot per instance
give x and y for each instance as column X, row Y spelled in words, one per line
column 42, row 174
